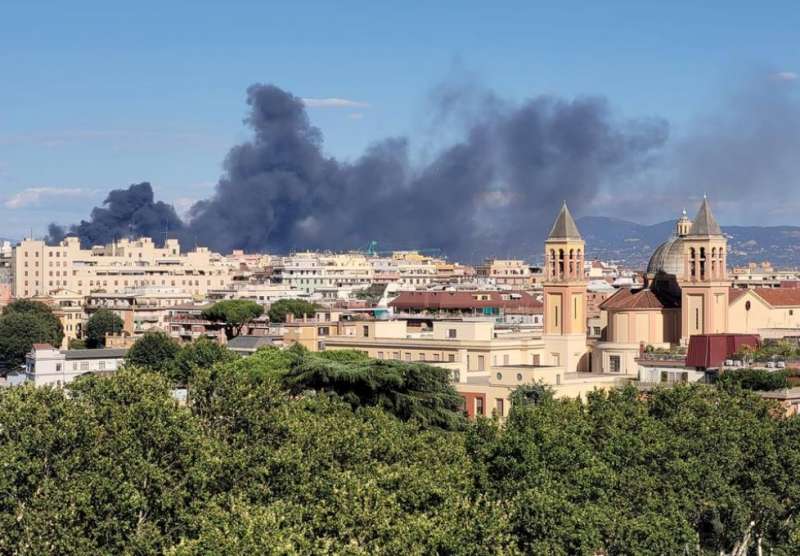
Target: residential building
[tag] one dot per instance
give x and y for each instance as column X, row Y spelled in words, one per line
column 141, row 309
column 309, row 271
column 48, row 366
column 40, row 269
column 517, row 307
column 509, row 272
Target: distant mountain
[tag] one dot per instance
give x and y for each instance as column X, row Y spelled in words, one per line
column 632, row 244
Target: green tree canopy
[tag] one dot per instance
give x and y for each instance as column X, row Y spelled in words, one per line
column 102, row 322
column 38, row 308
column 234, row 314
column 154, row 351
column 296, row 307
column 203, row 353
column 19, row 331
column 754, row 379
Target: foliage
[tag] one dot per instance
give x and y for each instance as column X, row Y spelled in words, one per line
column 54, row 334
column 154, row 351
column 203, row 353
column 291, row 452
column 754, row 379
column 102, row 322
column 534, row 394
column 234, row 314
column 19, row 331
column 296, row 307
column 77, row 343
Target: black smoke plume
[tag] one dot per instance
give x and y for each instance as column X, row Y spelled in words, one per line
column 493, row 192
column 128, row 212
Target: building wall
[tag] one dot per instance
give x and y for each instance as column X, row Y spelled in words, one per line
column 750, row 314
column 39, row 269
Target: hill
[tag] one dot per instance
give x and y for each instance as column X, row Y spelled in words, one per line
column 620, row 240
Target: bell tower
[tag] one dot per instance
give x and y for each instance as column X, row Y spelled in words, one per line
column 704, row 285
column 564, row 294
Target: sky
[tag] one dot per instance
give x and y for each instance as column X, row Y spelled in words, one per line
column 99, row 95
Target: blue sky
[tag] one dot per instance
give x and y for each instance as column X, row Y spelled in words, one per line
column 98, row 95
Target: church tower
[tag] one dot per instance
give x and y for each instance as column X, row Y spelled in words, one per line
column 704, row 285
column 564, row 294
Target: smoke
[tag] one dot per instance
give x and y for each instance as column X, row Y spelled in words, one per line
column 125, row 212
column 493, row 189
column 497, row 188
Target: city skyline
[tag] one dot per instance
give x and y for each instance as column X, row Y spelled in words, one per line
column 83, row 123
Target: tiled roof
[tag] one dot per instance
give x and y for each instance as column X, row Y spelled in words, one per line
column 704, row 223
column 779, row 297
column 627, row 298
column 564, row 227
column 42, row 346
column 516, row 301
column 735, row 293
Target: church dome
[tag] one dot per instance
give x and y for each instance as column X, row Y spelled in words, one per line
column 667, row 258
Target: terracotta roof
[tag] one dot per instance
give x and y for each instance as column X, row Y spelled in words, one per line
column 514, row 302
column 627, row 298
column 43, row 346
column 735, row 293
column 779, row 297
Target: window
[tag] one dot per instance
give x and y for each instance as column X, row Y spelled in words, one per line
column 519, row 377
column 500, row 403
column 58, row 367
column 614, row 363
column 451, row 357
column 479, row 409
column 408, row 356
column 537, row 360
column 505, row 359
column 422, row 357
column 451, row 333
column 366, row 331
column 396, row 356
column 436, row 357
column 102, row 365
column 481, row 363
column 380, row 355
column 499, row 376
column 456, row 376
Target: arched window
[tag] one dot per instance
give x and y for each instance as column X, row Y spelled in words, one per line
column 714, row 262
column 561, row 262
column 692, row 263
column 552, row 262
column 702, row 263
column 572, row 262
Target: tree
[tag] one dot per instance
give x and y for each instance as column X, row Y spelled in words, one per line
column 203, row 353
column 18, row 333
column 102, row 322
column 754, row 379
column 234, row 313
column 155, row 351
column 296, row 307
column 29, row 306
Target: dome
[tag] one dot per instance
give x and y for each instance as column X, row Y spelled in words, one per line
column 667, row 258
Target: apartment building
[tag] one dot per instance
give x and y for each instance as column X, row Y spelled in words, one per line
column 311, row 271
column 469, row 348
column 48, row 366
column 40, row 269
column 6, row 273
column 140, row 309
column 509, row 272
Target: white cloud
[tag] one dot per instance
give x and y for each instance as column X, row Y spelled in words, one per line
column 35, row 195
column 785, row 76
column 333, row 102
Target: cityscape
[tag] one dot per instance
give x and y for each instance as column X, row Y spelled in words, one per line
column 525, row 326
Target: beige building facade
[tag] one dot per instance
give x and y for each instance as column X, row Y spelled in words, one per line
column 40, row 269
